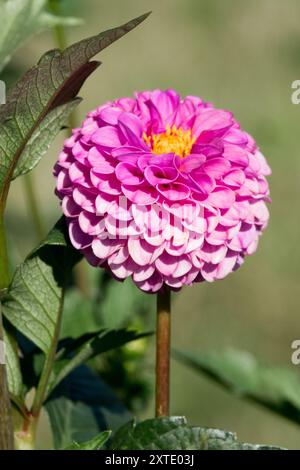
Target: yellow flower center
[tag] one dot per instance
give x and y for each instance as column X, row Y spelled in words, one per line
column 173, row 140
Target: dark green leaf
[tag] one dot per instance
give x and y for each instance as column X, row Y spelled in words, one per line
column 53, row 82
column 96, row 443
column 174, row 434
column 81, row 407
column 43, row 137
column 34, row 300
column 275, row 388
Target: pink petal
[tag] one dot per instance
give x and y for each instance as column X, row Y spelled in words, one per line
column 202, row 182
column 152, row 284
column 140, row 194
column 183, row 267
column 110, row 114
column 106, row 183
column 101, row 163
column 140, row 251
column 78, row 238
column 221, row 197
column 107, row 136
column 84, row 198
column 157, row 175
column 129, row 174
column 216, row 167
column 174, row 191
column 143, row 273
column 192, row 162
column 91, row 224
column 70, row 208
column 236, row 155
column 234, row 178
column 166, row 264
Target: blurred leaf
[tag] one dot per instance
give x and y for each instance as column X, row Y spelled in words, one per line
column 96, row 443
column 173, row 433
column 81, row 407
column 275, row 388
column 22, row 19
column 78, row 315
column 34, row 300
column 79, row 350
column 53, row 82
column 120, row 301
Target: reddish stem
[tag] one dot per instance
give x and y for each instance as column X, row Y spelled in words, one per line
column 163, row 334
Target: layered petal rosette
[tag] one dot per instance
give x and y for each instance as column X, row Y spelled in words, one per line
column 166, row 190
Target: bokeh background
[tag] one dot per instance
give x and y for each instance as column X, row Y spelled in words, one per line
column 241, row 55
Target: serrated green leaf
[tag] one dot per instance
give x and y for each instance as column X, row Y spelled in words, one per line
column 275, row 388
column 88, row 346
column 81, row 407
column 43, row 137
column 173, row 433
column 96, row 443
column 22, row 19
column 33, row 303
column 53, row 82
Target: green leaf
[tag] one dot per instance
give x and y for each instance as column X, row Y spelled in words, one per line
column 22, row 19
column 88, row 346
column 53, row 82
column 81, row 407
column 34, row 300
column 275, row 388
column 14, row 376
column 173, row 433
column 43, row 137
column 96, row 443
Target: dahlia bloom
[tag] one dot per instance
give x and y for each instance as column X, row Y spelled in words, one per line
column 166, row 190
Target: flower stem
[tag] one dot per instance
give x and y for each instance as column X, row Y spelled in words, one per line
column 163, row 336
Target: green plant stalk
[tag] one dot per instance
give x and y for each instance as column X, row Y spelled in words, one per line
column 33, row 205
column 163, row 339
column 42, row 388
column 25, row 436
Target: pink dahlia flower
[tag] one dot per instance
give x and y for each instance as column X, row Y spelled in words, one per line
column 166, row 190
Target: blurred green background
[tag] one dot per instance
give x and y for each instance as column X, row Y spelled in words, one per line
column 242, row 55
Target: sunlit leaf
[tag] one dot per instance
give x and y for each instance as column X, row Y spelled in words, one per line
column 34, row 300
column 174, row 433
